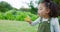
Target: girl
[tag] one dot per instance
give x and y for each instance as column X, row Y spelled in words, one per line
column 48, row 17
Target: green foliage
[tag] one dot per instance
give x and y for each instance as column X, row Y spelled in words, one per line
column 57, row 1
column 24, row 9
column 9, row 15
column 33, row 9
column 21, row 15
column 17, row 15
column 33, row 16
column 59, row 19
column 4, row 6
column 2, row 9
column 2, row 16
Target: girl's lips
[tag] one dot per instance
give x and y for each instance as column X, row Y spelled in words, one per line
column 38, row 14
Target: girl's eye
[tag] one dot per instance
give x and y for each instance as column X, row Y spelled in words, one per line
column 40, row 8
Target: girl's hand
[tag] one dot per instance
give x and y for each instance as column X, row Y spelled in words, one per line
column 28, row 19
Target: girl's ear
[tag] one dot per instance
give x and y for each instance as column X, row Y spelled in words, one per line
column 48, row 10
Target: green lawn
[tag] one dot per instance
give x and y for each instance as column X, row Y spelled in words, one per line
column 16, row 26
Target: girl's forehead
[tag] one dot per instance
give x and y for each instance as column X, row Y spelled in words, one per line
column 41, row 5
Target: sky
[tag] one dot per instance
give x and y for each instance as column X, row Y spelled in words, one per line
column 18, row 3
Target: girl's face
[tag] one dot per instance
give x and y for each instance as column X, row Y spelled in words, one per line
column 42, row 10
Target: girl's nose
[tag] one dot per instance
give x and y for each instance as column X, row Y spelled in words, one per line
column 38, row 13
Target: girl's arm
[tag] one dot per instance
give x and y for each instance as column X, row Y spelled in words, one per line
column 37, row 21
column 56, row 25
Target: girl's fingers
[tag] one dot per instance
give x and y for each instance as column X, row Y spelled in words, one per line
column 27, row 19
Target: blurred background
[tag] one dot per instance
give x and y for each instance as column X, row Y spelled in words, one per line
column 13, row 13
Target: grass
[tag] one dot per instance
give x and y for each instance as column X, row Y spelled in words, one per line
column 16, row 26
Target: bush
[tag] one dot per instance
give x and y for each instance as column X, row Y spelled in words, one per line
column 2, row 16
column 9, row 15
column 17, row 15
column 21, row 15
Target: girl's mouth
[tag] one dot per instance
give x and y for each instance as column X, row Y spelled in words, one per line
column 38, row 14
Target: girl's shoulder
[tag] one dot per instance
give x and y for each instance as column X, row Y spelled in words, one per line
column 54, row 20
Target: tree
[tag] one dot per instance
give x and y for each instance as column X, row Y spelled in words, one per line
column 33, row 8
column 4, row 6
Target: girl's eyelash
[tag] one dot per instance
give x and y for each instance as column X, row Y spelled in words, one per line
column 41, row 9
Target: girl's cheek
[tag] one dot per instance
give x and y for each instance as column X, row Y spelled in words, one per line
column 39, row 11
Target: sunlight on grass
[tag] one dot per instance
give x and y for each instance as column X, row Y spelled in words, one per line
column 16, row 26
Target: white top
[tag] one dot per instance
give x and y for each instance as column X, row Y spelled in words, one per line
column 54, row 24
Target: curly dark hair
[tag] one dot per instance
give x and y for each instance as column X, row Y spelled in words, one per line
column 54, row 8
